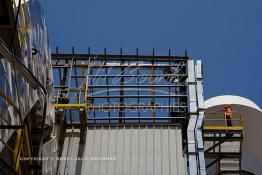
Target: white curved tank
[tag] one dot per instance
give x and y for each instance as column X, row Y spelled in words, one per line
column 252, row 119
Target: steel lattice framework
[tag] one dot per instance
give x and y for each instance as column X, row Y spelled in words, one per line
column 121, row 88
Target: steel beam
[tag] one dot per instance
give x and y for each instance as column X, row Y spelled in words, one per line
column 110, row 57
column 12, row 126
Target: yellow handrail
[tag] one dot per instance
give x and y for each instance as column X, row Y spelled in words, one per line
column 216, row 120
column 69, row 106
column 23, row 22
column 7, row 146
column 18, row 149
column 9, row 100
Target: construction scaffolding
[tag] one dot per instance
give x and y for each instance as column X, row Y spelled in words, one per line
column 117, row 88
column 223, row 143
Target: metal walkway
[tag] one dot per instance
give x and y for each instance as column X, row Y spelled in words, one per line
column 223, row 143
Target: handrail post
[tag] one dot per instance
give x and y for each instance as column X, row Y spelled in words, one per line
column 225, row 120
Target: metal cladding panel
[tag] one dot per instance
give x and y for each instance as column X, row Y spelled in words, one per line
column 20, row 92
column 68, row 164
column 49, row 153
column 133, row 150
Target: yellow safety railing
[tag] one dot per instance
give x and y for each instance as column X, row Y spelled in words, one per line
column 216, row 120
column 23, row 23
column 69, row 106
column 21, row 149
column 21, row 146
column 9, row 100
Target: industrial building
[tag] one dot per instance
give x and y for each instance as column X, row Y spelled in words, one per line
column 101, row 113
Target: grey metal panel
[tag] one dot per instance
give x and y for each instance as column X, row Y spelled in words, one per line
column 199, row 71
column 49, row 153
column 135, row 150
column 194, row 130
column 191, row 71
column 68, row 162
column 142, row 151
column 193, row 119
column 165, row 151
column 229, row 164
column 38, row 64
column 200, row 100
column 111, row 151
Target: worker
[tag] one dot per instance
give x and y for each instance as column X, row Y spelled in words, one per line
column 228, row 115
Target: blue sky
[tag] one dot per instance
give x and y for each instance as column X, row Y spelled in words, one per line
column 225, row 34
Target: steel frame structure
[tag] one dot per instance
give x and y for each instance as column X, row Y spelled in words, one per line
column 223, row 142
column 87, row 80
column 102, row 89
column 107, row 87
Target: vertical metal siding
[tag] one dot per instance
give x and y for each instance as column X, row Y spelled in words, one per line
column 137, row 150
column 68, row 162
column 49, row 150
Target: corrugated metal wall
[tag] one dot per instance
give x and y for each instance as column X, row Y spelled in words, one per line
column 49, row 154
column 68, row 163
column 134, row 150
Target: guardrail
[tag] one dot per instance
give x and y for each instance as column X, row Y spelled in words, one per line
column 21, row 147
column 216, row 120
column 23, row 23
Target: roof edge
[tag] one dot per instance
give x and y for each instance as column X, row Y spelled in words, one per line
column 232, row 100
